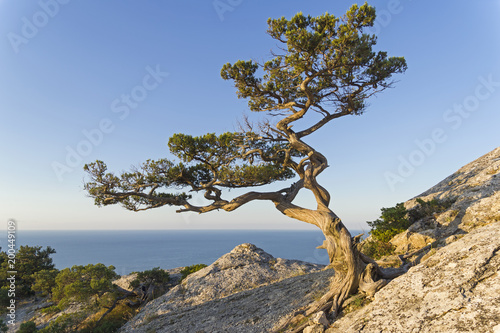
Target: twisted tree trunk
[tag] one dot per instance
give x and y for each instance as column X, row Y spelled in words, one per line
column 354, row 272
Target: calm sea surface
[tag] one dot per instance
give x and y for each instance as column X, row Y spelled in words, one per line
column 131, row 250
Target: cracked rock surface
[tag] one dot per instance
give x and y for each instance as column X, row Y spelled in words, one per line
column 455, row 290
column 474, row 191
column 245, row 268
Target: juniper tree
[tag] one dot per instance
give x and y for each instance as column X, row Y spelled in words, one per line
column 325, row 69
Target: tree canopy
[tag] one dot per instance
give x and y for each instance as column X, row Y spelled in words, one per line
column 326, row 66
column 29, row 260
column 80, row 283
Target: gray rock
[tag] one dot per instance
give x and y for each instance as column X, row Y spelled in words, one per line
column 258, row 310
column 475, row 192
column 246, row 267
column 320, row 318
column 455, row 290
column 316, row 328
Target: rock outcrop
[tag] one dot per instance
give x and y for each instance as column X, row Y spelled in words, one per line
column 474, row 196
column 245, row 268
column 457, row 289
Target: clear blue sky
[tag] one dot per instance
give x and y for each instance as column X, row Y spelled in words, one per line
column 66, row 68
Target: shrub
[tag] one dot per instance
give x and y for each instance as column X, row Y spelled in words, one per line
column 27, row 327
column 392, row 221
column 44, row 281
column 67, row 323
column 51, row 309
column 4, row 299
column 377, row 249
column 191, row 269
column 428, row 208
column 29, row 260
column 152, row 276
column 82, row 283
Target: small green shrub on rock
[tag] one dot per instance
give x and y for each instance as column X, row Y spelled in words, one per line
column 377, row 249
column 392, row 221
column 428, row 208
column 27, row 327
column 191, row 269
column 152, row 276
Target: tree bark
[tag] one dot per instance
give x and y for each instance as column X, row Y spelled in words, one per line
column 353, row 271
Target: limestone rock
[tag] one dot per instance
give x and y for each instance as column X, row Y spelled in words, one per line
column 455, row 290
column 474, row 191
column 246, row 267
column 316, row 328
column 320, row 318
column 409, row 241
column 251, row 311
column 124, row 281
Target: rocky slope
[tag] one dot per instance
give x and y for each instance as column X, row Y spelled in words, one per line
column 474, row 194
column 457, row 289
column 246, row 267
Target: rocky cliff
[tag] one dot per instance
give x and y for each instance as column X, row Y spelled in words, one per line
column 457, row 289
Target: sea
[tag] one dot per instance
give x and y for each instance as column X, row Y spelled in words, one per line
column 138, row 250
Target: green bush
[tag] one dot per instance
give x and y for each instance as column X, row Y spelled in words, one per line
column 83, row 283
column 51, row 309
column 27, row 327
column 4, row 299
column 44, row 281
column 377, row 249
column 392, row 221
column 152, row 276
column 428, row 208
column 67, row 323
column 191, row 269
column 29, row 260
column 3, row 326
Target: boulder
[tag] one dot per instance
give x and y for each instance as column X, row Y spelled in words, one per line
column 246, row 267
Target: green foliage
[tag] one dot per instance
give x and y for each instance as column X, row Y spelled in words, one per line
column 355, row 303
column 428, row 208
column 3, row 326
column 103, row 327
column 29, row 260
column 27, row 327
column 395, row 220
column 66, row 323
column 51, row 309
column 392, row 221
column 81, row 283
column 377, row 249
column 327, row 67
column 333, row 53
column 44, row 281
column 191, row 269
column 218, row 160
column 111, row 323
column 4, row 298
column 152, row 276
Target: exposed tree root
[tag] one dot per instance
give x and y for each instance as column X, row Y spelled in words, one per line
column 360, row 274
